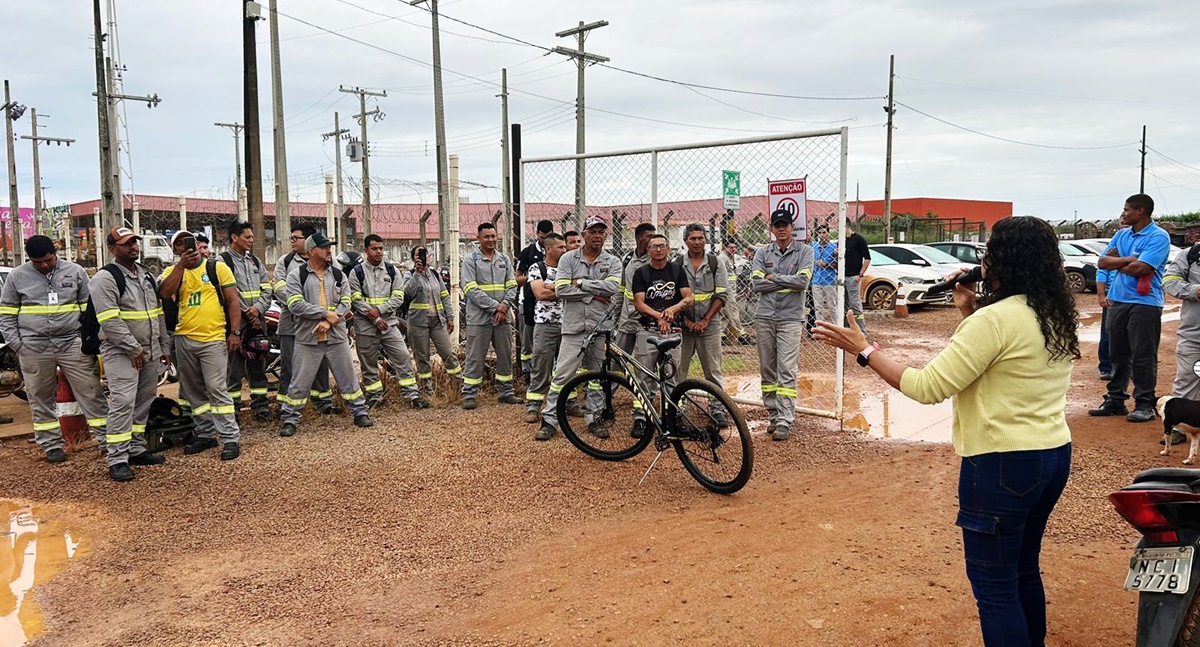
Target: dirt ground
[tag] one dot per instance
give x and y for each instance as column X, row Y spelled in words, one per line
column 445, row 527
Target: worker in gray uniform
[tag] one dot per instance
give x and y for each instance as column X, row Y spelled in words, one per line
column 430, row 319
column 133, row 340
column 587, row 281
column 701, row 321
column 255, row 290
column 1182, row 281
column 319, row 391
column 490, row 288
column 780, row 275
column 376, row 293
column 39, row 319
column 627, row 325
column 318, row 294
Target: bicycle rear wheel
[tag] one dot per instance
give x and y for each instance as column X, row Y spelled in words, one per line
column 720, row 459
column 604, row 432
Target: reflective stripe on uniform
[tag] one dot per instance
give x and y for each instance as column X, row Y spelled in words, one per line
column 473, row 381
column 769, row 388
column 425, row 376
column 454, row 371
column 45, row 310
column 535, row 397
column 408, row 381
column 373, row 386
column 786, row 392
column 113, row 439
column 97, row 422
column 350, row 397
column 45, row 426
column 139, row 429
column 262, row 390
column 504, row 378
column 320, row 395
column 226, row 410
column 202, row 409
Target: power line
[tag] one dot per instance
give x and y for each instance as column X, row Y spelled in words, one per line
column 1012, row 141
column 1055, row 96
column 1191, row 169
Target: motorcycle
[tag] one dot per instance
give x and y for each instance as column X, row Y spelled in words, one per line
column 1164, row 505
column 11, row 380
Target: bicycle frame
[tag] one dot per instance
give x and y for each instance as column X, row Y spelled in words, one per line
column 614, row 354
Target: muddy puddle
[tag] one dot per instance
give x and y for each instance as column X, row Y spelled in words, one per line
column 34, row 550
column 1089, row 322
column 889, row 415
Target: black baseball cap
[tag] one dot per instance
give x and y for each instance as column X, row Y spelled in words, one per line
column 780, row 216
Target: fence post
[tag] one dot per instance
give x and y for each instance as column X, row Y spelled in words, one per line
column 840, row 300
column 654, row 188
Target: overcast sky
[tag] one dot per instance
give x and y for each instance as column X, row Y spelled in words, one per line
column 1056, row 73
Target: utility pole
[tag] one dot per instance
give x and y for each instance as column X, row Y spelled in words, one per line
column 12, row 111
column 439, row 125
column 38, row 206
column 1142, row 185
column 252, row 11
column 887, row 172
column 366, row 153
column 283, row 209
column 581, row 59
column 110, row 214
column 237, row 162
column 336, row 135
column 505, row 172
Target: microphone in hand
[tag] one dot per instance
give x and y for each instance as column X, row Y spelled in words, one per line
column 972, row 275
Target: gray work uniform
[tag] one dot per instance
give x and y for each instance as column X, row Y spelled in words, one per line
column 582, row 311
column 486, row 284
column 627, row 318
column 254, row 291
column 779, row 323
column 39, row 319
column 731, row 314
column 547, row 337
column 1181, row 280
column 304, row 301
column 203, row 363
column 322, row 396
column 130, row 326
column 378, row 290
column 707, row 287
column 429, row 311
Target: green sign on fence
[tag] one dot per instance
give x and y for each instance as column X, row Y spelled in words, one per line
column 731, row 185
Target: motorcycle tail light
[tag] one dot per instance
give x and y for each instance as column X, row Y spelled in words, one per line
column 1144, row 510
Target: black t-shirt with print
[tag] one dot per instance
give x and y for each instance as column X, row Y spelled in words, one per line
column 662, row 287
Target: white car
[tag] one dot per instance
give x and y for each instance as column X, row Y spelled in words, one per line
column 922, row 256
column 885, row 276
column 1099, row 246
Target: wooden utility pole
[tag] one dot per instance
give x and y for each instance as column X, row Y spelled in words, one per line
column 505, row 172
column 38, row 207
column 336, row 135
column 283, row 210
column 1142, row 184
column 11, row 111
column 366, row 153
column 887, row 172
column 439, row 125
column 254, row 204
column 110, row 215
column 581, row 60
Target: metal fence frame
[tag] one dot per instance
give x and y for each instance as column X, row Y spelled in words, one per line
column 654, row 151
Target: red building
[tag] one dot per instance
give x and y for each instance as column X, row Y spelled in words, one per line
column 985, row 211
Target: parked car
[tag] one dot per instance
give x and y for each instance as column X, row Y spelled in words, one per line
column 1099, row 246
column 885, row 276
column 922, row 256
column 1081, row 270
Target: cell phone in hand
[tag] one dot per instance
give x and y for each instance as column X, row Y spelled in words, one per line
column 423, row 256
column 189, row 244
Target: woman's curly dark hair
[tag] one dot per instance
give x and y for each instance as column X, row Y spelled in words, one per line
column 1023, row 258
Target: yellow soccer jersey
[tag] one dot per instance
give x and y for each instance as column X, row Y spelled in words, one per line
column 200, row 315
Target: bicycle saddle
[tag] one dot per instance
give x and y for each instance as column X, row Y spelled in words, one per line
column 664, row 344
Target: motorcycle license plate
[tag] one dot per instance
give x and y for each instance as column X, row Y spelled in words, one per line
column 1160, row 570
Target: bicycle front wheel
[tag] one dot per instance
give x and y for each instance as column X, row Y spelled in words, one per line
column 720, row 459
column 605, row 430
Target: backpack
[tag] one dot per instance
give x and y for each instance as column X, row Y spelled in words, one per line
column 712, row 263
column 167, row 425
column 337, row 275
column 171, row 306
column 1193, row 254
column 228, row 258
column 362, row 274
column 89, row 325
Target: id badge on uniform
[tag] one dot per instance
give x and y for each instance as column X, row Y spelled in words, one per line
column 52, row 298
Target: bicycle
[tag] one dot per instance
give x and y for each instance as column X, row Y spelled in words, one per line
column 720, row 459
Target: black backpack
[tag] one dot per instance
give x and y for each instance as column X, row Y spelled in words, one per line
column 362, row 274
column 171, row 306
column 167, row 425
column 337, row 275
column 228, row 258
column 89, row 325
column 712, row 263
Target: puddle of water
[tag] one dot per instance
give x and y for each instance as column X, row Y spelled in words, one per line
column 1089, row 324
column 893, row 415
column 32, row 551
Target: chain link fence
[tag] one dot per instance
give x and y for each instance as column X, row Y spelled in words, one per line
column 671, row 187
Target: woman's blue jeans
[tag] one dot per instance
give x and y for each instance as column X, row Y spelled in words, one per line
column 1004, row 500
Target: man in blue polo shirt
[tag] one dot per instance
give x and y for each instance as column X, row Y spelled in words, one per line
column 1136, row 257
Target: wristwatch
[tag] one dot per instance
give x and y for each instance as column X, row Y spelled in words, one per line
column 235, row 333
column 865, row 355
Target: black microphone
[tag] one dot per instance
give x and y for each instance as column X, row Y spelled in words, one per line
column 972, row 275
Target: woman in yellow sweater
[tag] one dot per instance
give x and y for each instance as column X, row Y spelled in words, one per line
column 1008, row 367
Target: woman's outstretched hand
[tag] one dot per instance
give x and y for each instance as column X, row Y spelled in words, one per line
column 850, row 339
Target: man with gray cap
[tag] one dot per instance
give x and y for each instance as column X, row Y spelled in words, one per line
column 490, row 288
column 133, row 340
column 780, row 275
column 318, row 294
column 322, row 395
column 586, row 281
column 39, row 319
